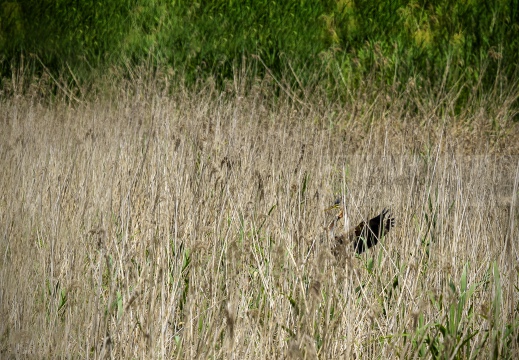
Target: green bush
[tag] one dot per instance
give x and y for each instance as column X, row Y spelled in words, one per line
column 434, row 42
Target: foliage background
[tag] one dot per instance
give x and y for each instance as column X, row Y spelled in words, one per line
column 309, row 42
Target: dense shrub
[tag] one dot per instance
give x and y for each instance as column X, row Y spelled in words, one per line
column 347, row 40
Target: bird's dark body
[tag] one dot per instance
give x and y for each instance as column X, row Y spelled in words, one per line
column 366, row 235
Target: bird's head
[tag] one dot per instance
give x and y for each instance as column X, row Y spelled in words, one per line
column 340, row 207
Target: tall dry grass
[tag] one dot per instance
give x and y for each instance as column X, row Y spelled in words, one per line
column 191, row 226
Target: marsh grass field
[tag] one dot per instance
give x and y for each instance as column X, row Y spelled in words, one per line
column 192, row 225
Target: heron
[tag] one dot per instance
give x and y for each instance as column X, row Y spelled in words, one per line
column 363, row 236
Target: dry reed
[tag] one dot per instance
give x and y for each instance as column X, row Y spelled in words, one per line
column 192, row 226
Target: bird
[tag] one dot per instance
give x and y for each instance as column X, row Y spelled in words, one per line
column 361, row 237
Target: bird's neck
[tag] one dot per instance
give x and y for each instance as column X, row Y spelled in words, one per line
column 346, row 220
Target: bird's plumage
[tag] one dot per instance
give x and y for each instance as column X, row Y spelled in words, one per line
column 363, row 236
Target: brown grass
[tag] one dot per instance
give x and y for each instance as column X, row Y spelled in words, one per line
column 192, row 226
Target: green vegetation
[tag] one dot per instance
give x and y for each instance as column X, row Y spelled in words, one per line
column 308, row 43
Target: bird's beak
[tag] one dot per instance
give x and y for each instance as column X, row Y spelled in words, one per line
column 334, row 206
